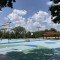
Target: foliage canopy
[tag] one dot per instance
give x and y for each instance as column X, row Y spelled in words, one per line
column 55, row 11
column 6, row 3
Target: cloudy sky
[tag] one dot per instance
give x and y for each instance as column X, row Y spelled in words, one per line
column 30, row 14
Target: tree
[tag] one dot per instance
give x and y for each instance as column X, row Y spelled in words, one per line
column 55, row 11
column 1, row 33
column 6, row 3
column 19, row 31
column 28, row 34
column 12, row 35
column 53, row 29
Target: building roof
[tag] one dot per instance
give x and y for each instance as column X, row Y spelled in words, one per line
column 51, row 33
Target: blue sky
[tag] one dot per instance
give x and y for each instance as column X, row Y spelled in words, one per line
column 32, row 7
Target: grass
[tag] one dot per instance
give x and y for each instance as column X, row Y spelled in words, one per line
column 41, row 47
column 7, row 46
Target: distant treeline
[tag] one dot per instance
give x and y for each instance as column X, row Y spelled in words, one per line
column 20, row 32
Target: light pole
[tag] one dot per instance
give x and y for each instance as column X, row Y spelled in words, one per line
column 38, row 28
column 9, row 29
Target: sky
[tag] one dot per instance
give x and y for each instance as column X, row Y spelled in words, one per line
column 30, row 14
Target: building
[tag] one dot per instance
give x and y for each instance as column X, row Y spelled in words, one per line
column 51, row 35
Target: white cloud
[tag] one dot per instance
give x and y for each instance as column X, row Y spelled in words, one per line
column 40, row 16
column 41, row 20
column 17, row 17
column 35, row 21
column 50, row 24
column 50, row 3
column 20, row 12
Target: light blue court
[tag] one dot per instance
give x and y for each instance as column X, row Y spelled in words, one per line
column 22, row 45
